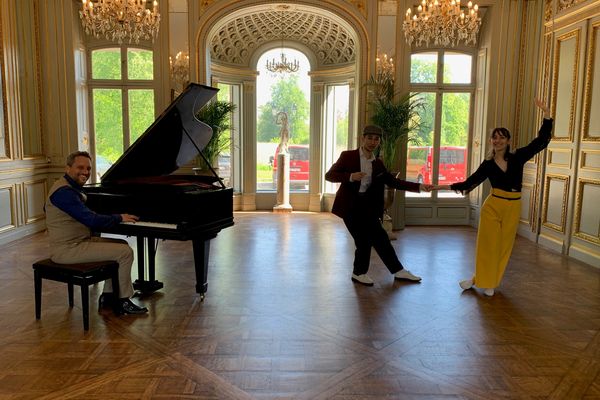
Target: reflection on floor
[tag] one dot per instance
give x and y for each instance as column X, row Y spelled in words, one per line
column 282, row 320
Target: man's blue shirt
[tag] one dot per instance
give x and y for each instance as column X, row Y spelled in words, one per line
column 70, row 200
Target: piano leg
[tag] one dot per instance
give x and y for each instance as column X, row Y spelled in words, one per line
column 201, row 253
column 151, row 285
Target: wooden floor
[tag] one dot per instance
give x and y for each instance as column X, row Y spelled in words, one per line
column 282, row 320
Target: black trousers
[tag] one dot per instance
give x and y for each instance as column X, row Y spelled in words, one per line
column 367, row 232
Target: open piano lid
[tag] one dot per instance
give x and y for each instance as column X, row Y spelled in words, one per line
column 167, row 143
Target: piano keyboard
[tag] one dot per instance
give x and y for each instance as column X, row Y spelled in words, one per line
column 152, row 224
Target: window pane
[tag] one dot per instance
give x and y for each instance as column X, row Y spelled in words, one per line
column 279, row 95
column 423, row 68
column 140, row 64
column 106, row 64
column 453, row 140
column 336, row 135
column 141, row 111
column 224, row 159
column 419, row 157
column 457, row 68
column 108, row 123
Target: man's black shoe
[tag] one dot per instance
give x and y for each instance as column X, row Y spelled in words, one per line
column 106, row 300
column 129, row 307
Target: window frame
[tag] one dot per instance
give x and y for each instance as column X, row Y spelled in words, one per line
column 124, row 84
column 438, row 89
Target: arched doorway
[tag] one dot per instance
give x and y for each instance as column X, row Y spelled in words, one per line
column 231, row 40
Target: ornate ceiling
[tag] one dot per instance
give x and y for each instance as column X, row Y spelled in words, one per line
column 237, row 40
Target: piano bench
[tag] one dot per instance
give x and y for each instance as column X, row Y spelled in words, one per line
column 81, row 274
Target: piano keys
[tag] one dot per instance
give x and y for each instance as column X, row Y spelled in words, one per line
column 170, row 206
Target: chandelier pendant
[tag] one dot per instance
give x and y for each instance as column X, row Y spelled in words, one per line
column 118, row 20
column 282, row 66
column 442, row 23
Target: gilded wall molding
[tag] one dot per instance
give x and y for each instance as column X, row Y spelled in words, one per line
column 565, row 4
column 529, row 188
column 583, row 160
column 574, row 34
column 360, row 5
column 554, row 155
column 4, row 134
column 28, row 201
column 581, row 183
column 12, row 198
column 563, row 212
column 589, row 83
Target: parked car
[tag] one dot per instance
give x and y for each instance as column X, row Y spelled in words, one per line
column 102, row 165
column 452, row 168
column 299, row 166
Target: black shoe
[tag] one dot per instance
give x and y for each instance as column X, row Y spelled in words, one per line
column 106, row 300
column 129, row 307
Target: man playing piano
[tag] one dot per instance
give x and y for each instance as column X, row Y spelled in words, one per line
column 70, row 224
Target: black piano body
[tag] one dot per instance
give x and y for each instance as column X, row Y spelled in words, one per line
column 172, row 207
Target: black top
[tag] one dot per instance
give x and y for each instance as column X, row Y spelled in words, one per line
column 512, row 179
column 173, row 140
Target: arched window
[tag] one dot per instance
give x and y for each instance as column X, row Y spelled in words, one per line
column 121, row 92
column 443, row 80
column 283, row 102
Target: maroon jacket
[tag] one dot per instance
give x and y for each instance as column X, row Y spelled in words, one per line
column 346, row 198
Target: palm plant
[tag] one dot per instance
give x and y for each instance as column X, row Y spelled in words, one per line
column 397, row 114
column 216, row 114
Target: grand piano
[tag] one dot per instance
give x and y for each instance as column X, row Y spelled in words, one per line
column 170, row 206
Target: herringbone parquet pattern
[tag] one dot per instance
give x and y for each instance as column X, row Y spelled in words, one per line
column 282, row 320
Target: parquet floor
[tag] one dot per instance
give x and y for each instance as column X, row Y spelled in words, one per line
column 282, row 320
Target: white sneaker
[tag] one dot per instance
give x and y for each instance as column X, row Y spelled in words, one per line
column 406, row 274
column 466, row 284
column 363, row 279
column 488, row 292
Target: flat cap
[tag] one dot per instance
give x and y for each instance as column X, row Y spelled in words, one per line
column 372, row 130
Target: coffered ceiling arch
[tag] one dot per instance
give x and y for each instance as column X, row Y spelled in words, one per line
column 239, row 38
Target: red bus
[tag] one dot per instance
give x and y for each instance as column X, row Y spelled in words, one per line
column 453, row 164
column 299, row 166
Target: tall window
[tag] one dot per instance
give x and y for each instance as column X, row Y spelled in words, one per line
column 122, row 94
column 336, row 128
column 229, row 161
column 282, row 98
column 443, row 81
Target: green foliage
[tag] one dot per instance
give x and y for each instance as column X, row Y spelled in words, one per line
column 423, row 71
column 107, row 103
column 455, row 108
column 455, row 119
column 108, row 123
column 286, row 95
column 217, row 115
column 397, row 114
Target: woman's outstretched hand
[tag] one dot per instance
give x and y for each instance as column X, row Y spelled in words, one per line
column 543, row 107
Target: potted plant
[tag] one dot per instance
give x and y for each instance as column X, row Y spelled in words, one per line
column 216, row 114
column 398, row 115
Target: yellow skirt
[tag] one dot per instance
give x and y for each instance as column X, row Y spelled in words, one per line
column 498, row 223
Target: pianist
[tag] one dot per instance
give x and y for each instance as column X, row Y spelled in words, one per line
column 70, row 223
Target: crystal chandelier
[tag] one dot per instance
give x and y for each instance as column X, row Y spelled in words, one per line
column 384, row 67
column 120, row 19
column 179, row 69
column 282, row 66
column 443, row 23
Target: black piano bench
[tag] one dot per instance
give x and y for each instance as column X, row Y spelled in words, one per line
column 82, row 274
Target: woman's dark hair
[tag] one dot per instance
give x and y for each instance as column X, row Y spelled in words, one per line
column 504, row 133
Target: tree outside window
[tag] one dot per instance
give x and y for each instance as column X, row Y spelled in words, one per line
column 122, row 99
column 442, row 81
